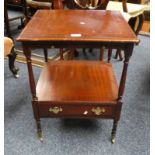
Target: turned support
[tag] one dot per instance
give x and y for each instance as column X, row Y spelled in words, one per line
column 127, row 53
column 27, row 53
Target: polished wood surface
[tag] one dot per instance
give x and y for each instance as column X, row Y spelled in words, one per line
column 77, row 81
column 76, row 111
column 85, row 5
column 79, row 89
column 60, row 25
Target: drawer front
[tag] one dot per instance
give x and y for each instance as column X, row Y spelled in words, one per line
column 81, row 111
column 14, row 1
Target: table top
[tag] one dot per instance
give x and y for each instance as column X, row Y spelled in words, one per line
column 78, row 25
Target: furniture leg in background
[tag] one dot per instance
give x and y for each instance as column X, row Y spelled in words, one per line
column 10, row 52
column 12, row 56
column 82, row 5
column 133, row 13
column 7, row 20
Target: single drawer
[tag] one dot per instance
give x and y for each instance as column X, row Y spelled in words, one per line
column 14, row 1
column 77, row 110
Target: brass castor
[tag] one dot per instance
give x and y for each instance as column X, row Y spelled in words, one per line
column 40, row 135
column 113, row 140
column 39, row 131
column 113, row 134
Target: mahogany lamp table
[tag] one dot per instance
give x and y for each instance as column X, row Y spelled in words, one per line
column 77, row 89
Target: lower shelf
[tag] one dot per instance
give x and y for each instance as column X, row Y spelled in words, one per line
column 77, row 89
column 73, row 81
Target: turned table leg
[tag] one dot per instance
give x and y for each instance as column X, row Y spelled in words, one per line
column 27, row 53
column 113, row 133
column 127, row 52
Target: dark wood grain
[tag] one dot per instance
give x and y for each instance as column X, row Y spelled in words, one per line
column 27, row 53
column 74, row 89
column 75, row 111
column 128, row 54
column 77, row 81
column 109, row 26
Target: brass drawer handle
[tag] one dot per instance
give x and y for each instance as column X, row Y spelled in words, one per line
column 98, row 111
column 55, row 110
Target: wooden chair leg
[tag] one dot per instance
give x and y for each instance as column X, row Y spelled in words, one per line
column 84, row 51
column 12, row 57
column 46, row 54
column 76, row 53
column 22, row 23
column 118, row 53
column 101, row 54
column 61, row 54
column 6, row 21
column 71, row 54
column 90, row 50
column 141, row 21
column 109, row 54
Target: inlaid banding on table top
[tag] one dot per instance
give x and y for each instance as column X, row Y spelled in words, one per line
column 97, row 25
column 83, row 38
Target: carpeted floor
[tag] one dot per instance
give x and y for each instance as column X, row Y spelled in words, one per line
column 81, row 137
